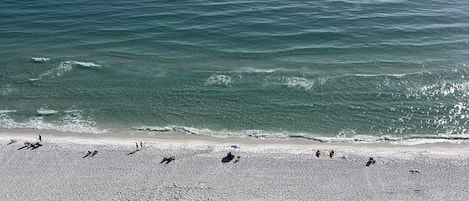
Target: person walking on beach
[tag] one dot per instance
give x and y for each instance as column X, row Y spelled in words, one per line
column 331, row 153
column 318, row 153
column 136, row 146
column 141, row 145
column 40, row 138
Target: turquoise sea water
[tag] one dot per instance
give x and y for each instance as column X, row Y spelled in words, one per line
column 354, row 69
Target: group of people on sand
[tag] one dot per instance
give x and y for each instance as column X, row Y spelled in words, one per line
column 139, row 146
column 370, row 161
column 28, row 145
column 331, row 153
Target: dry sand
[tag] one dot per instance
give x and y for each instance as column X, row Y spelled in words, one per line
column 267, row 169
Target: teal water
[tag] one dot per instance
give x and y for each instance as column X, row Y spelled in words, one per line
column 354, row 69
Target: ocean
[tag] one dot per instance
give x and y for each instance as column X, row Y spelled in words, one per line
column 358, row 70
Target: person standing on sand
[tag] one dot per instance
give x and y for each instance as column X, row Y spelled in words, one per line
column 318, row 153
column 40, row 138
column 141, row 145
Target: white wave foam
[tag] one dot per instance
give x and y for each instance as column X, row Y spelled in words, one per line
column 346, row 135
column 440, row 89
column 58, row 71
column 346, row 132
column 342, row 137
column 39, row 59
column 155, row 128
column 218, row 80
column 72, row 121
column 352, row 139
column 6, row 121
column 85, row 64
column 255, row 70
column 43, row 111
column 298, row 83
column 370, row 1
column 63, row 68
column 425, row 141
column 380, row 75
column 7, row 111
column 34, row 79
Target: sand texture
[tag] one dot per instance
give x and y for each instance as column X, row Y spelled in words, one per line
column 61, row 170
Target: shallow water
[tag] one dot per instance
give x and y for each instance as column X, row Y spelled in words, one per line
column 369, row 69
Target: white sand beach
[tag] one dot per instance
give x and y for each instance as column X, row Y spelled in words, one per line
column 268, row 169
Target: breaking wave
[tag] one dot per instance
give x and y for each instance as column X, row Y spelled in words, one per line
column 346, row 135
column 39, row 59
column 298, row 83
column 63, row 68
column 43, row 111
column 218, row 80
column 85, row 64
column 69, row 121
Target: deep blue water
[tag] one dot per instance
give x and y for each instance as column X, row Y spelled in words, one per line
column 362, row 69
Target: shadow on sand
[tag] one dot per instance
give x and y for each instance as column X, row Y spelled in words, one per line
column 168, row 159
column 229, row 157
column 370, row 161
column 30, row 146
column 90, row 154
column 133, row 152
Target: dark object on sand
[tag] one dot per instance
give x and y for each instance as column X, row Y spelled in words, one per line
column 168, row 159
column 26, row 144
column 370, row 161
column 133, row 152
column 318, row 153
column 36, row 145
column 227, row 158
column 237, row 159
column 40, row 138
column 87, row 154
column 11, row 142
column 414, row 171
column 331, row 153
column 31, row 146
column 94, row 153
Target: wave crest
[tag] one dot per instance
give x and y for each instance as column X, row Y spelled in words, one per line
column 346, row 135
column 218, row 80
column 298, row 83
column 43, row 111
column 39, row 59
column 63, row 68
column 71, row 121
column 85, row 64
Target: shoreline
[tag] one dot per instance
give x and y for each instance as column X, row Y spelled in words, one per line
column 299, row 144
column 261, row 169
